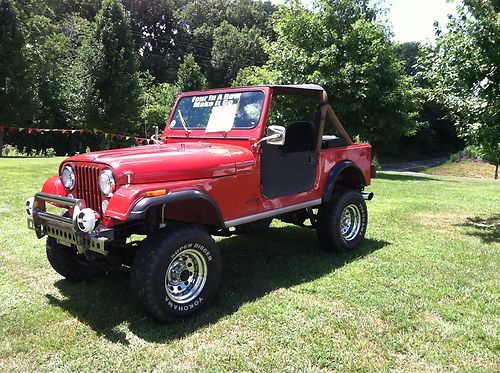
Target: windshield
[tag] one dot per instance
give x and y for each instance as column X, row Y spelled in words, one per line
column 218, row 112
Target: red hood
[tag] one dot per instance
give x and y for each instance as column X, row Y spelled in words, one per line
column 170, row 162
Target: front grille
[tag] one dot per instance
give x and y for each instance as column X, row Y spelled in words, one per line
column 87, row 186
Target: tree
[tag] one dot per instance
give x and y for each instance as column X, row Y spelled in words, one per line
column 155, row 30
column 107, row 73
column 200, row 19
column 86, row 9
column 204, row 16
column 189, row 76
column 235, row 49
column 438, row 133
column 16, row 104
column 48, row 56
column 464, row 70
column 157, row 101
column 343, row 47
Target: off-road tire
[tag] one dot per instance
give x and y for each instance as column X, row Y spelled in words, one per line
column 68, row 263
column 329, row 223
column 254, row 227
column 167, row 254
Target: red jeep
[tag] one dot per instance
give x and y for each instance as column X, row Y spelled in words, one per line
column 229, row 161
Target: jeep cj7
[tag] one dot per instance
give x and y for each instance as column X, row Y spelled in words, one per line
column 227, row 162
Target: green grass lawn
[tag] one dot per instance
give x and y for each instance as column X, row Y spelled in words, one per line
column 421, row 293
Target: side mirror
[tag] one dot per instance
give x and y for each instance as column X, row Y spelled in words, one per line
column 275, row 135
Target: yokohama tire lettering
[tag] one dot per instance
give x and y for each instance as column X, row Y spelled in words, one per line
column 187, row 307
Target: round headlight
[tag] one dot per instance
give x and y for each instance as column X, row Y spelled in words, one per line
column 68, row 177
column 107, row 182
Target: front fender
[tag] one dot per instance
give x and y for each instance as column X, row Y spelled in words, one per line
column 191, row 205
column 122, row 201
column 55, row 186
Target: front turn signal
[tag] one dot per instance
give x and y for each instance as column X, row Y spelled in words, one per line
column 156, row 193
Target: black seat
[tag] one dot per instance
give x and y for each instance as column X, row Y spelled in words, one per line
column 300, row 137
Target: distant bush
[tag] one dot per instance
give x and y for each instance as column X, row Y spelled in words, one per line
column 12, row 151
column 470, row 152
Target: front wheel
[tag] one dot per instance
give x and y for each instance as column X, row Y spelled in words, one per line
column 175, row 273
column 70, row 264
column 342, row 222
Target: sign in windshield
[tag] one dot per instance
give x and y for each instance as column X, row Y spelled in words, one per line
column 220, row 112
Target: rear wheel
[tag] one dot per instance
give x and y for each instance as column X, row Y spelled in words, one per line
column 176, row 273
column 342, row 222
column 68, row 263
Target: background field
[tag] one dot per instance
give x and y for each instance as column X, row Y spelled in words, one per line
column 422, row 293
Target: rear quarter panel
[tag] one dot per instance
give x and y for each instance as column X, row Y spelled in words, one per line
column 360, row 154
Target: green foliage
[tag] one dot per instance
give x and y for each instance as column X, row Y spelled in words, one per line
column 189, row 76
column 437, row 134
column 49, row 65
column 157, row 101
column 409, row 53
column 16, row 95
column 235, row 49
column 201, row 18
column 108, row 76
column 75, row 63
column 464, row 73
column 86, row 9
column 204, row 16
column 343, row 47
column 470, row 152
column 154, row 27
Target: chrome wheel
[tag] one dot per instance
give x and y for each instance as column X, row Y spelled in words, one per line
column 186, row 276
column 350, row 222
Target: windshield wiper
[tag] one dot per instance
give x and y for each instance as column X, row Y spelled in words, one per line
column 183, row 122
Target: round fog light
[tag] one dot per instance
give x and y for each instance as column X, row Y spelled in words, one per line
column 86, row 220
column 29, row 206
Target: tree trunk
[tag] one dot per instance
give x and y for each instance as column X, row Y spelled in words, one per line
column 1, row 142
column 496, row 172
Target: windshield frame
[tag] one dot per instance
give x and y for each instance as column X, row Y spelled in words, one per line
column 239, row 132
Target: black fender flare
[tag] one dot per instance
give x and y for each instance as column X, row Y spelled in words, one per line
column 335, row 173
column 140, row 209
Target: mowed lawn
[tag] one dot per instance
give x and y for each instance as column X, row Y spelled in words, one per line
column 422, row 293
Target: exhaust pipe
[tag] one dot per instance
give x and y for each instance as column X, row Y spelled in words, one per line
column 367, row 195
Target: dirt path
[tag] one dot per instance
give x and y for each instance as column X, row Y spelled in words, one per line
column 412, row 166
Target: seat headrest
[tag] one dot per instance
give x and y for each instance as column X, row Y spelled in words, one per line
column 299, row 137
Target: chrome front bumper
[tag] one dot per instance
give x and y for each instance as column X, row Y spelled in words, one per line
column 63, row 228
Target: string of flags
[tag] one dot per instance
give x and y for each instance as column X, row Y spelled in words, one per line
column 138, row 140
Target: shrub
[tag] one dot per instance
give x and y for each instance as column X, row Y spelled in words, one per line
column 470, row 152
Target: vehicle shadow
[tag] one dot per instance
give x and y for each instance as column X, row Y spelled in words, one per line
column 253, row 265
